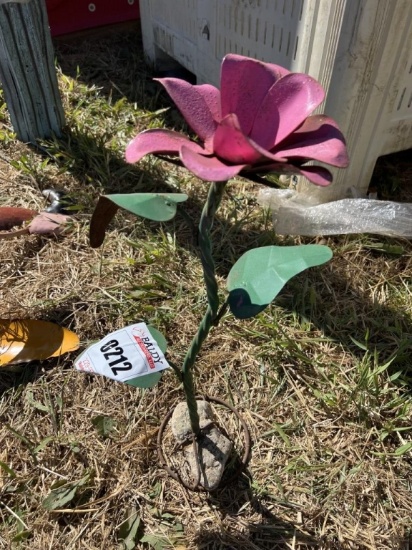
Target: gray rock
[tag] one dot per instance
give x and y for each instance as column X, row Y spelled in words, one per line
column 180, row 421
column 213, row 447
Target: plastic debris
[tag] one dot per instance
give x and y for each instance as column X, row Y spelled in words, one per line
column 297, row 214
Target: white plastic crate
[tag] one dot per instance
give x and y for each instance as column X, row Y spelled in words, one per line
column 360, row 51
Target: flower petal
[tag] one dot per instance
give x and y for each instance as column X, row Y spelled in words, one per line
column 46, row 223
column 287, row 103
column 319, row 138
column 244, row 83
column 211, row 95
column 158, row 141
column 316, row 174
column 229, row 142
column 198, row 105
column 208, row 168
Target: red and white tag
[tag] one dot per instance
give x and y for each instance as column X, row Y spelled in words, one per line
column 125, row 354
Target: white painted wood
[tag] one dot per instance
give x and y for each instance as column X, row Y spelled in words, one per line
column 27, row 72
column 360, row 51
column 367, row 74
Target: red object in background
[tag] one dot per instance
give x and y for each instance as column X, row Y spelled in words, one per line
column 66, row 16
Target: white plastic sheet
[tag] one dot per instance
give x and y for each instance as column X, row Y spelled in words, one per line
column 294, row 214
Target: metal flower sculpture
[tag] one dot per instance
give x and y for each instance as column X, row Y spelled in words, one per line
column 260, row 120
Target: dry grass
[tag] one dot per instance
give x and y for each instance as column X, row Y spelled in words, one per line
column 322, row 376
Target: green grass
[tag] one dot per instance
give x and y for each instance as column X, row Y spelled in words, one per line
column 322, row 376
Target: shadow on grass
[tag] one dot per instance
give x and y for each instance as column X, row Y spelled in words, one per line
column 348, row 315
column 239, row 500
column 112, row 61
column 18, row 377
column 110, row 58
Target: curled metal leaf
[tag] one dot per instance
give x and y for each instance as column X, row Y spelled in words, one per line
column 158, row 207
column 12, row 216
column 25, row 340
column 47, row 223
column 261, row 273
column 103, row 214
column 12, row 234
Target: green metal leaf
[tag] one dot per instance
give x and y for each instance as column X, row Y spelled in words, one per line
column 147, row 381
column 158, row 336
column 159, row 207
column 152, row 379
column 259, row 275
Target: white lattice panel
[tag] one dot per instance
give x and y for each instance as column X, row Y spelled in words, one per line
column 259, row 29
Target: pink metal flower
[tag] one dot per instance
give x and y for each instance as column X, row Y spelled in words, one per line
column 259, row 121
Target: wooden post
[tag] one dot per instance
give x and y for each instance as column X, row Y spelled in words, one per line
column 27, row 72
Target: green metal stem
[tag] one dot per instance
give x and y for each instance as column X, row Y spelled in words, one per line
column 214, row 197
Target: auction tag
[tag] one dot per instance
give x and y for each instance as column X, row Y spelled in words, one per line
column 125, row 354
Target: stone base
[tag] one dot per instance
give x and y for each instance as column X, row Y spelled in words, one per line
column 213, row 447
